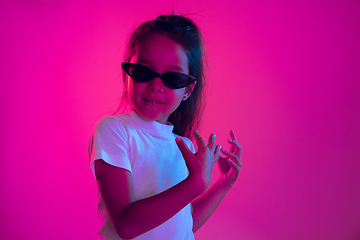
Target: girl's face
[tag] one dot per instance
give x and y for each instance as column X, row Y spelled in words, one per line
column 153, row 100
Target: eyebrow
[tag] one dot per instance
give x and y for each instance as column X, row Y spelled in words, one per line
column 175, row 67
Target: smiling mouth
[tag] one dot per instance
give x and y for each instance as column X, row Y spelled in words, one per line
column 153, row 101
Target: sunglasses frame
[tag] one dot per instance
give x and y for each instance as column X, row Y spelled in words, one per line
column 126, row 65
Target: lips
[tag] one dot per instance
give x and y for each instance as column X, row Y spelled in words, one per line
column 153, row 101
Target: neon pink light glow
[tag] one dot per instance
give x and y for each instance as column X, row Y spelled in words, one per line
column 284, row 76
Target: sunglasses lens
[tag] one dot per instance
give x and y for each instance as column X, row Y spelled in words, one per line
column 140, row 73
column 176, row 80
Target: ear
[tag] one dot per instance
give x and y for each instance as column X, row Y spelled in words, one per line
column 188, row 91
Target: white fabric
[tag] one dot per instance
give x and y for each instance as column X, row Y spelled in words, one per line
column 148, row 150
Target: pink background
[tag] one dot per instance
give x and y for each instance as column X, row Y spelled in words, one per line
column 283, row 75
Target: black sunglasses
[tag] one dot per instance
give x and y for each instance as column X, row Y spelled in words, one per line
column 141, row 73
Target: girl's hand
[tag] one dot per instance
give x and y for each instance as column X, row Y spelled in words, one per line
column 201, row 163
column 230, row 164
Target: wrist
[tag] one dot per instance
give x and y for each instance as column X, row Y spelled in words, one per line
column 226, row 181
column 197, row 184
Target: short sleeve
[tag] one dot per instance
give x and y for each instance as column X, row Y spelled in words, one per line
column 190, row 145
column 109, row 142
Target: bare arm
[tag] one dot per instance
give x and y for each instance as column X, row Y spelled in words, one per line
column 132, row 218
column 205, row 205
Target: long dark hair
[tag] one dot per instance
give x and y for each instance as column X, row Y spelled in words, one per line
column 183, row 30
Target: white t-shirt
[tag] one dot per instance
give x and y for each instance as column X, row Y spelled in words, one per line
column 148, row 150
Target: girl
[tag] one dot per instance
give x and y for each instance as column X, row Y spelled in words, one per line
column 152, row 184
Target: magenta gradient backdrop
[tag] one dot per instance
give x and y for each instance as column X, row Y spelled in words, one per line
column 284, row 75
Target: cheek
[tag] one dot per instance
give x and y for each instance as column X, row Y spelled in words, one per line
column 178, row 95
column 132, row 90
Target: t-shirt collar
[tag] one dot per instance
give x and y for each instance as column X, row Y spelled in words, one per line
column 152, row 126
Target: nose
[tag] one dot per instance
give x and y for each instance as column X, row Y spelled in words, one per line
column 156, row 85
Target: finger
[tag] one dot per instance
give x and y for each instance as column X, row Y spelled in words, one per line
column 211, row 142
column 232, row 135
column 231, row 155
column 232, row 138
column 235, row 147
column 184, row 149
column 217, row 153
column 233, row 164
column 199, row 141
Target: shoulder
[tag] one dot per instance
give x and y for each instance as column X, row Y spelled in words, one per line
column 108, row 136
column 109, row 122
column 110, row 126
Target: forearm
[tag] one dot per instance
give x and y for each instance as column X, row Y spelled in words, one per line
column 205, row 205
column 146, row 214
